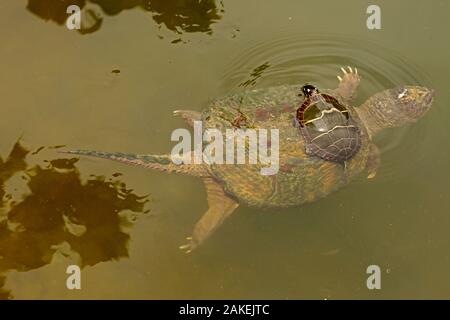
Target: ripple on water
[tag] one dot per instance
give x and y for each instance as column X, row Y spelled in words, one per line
column 301, row 58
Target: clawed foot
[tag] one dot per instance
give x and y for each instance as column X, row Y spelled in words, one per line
column 188, row 247
column 349, row 75
column 348, row 83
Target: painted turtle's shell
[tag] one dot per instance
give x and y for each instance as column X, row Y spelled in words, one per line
column 328, row 129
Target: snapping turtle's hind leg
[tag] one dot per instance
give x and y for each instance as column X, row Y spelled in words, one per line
column 189, row 116
column 220, row 206
column 348, row 84
column 373, row 162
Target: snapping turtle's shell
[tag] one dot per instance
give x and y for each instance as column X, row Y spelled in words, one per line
column 301, row 178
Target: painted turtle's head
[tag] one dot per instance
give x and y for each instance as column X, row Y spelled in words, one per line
column 396, row 107
column 308, row 90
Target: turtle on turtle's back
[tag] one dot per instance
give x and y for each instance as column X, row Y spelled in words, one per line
column 304, row 175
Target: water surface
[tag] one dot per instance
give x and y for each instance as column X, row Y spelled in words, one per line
column 114, row 87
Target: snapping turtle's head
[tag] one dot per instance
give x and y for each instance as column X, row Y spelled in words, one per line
column 395, row 107
column 411, row 103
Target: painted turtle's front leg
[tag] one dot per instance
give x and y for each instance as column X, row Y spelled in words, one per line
column 348, row 83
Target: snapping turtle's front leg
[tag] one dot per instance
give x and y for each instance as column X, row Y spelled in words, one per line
column 348, row 83
column 220, row 206
column 373, row 161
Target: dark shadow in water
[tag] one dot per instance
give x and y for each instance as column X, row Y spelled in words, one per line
column 89, row 216
column 179, row 16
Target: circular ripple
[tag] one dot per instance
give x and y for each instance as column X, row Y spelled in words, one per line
column 316, row 59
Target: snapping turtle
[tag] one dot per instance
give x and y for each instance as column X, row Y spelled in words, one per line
column 302, row 177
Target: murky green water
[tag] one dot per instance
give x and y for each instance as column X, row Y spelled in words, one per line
column 114, row 87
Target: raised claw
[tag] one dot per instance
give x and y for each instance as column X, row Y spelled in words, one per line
column 187, row 248
column 348, row 71
column 371, row 175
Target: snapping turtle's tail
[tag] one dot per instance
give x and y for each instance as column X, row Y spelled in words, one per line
column 156, row 162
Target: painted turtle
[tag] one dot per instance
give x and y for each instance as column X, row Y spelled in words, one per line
column 327, row 127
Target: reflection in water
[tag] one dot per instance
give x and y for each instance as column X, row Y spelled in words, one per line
column 255, row 75
column 176, row 15
column 59, row 209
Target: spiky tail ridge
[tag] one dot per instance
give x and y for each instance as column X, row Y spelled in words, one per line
column 156, row 162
